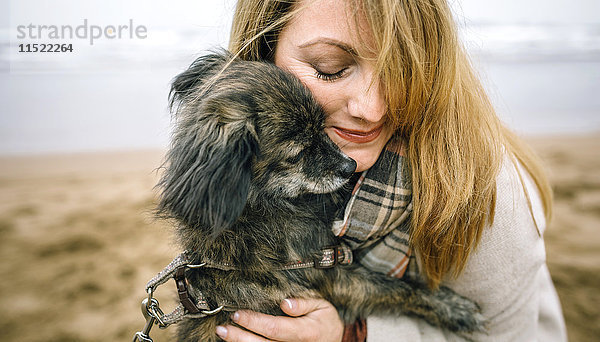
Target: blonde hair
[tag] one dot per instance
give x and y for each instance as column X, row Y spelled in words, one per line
column 456, row 143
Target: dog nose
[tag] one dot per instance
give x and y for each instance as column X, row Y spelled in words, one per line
column 347, row 168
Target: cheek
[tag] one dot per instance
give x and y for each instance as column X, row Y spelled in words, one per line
column 326, row 95
column 331, row 97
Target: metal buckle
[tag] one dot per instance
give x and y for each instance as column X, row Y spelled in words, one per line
column 329, row 258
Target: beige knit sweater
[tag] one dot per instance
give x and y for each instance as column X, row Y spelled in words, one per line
column 507, row 275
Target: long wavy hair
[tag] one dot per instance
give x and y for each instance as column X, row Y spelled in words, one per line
column 456, row 143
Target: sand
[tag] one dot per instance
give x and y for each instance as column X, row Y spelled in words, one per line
column 78, row 242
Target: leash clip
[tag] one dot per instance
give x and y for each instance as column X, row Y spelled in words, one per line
column 188, row 305
column 144, row 334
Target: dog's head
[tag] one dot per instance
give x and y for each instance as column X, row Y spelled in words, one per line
column 244, row 128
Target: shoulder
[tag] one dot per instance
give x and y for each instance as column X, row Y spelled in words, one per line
column 511, row 247
column 517, row 199
column 503, row 272
column 514, row 238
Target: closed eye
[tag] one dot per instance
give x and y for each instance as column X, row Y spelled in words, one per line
column 330, row 77
column 295, row 159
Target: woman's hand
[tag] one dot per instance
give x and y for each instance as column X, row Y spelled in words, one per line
column 311, row 320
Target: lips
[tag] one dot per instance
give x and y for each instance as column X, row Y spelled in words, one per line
column 359, row 137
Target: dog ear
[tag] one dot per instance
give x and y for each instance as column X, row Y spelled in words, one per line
column 202, row 69
column 209, row 165
column 208, row 173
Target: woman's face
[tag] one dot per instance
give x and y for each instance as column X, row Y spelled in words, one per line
column 321, row 47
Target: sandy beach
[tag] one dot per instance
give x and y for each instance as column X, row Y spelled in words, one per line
column 78, row 241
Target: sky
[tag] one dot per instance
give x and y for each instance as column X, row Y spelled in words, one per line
column 217, row 12
column 113, row 94
column 179, row 26
column 531, row 11
column 169, row 13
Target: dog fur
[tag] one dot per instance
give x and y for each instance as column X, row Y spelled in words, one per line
column 253, row 181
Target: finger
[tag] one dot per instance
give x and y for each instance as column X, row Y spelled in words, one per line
column 298, row 307
column 272, row 327
column 321, row 318
column 231, row 333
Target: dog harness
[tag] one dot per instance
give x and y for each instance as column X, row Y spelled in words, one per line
column 199, row 307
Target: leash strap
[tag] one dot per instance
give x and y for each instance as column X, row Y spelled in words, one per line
column 199, row 307
column 330, row 257
column 180, row 261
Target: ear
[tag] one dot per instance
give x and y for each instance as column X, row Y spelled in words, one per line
column 208, row 167
column 202, row 69
column 207, row 177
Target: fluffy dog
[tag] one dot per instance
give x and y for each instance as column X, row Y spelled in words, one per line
column 254, row 183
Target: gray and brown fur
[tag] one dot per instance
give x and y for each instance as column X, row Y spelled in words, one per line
column 253, row 181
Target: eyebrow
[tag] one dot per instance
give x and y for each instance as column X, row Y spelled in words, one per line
column 330, row 41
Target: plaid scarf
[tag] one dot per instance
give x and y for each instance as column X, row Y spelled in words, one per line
column 376, row 219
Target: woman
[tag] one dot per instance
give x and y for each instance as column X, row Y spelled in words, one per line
column 387, row 69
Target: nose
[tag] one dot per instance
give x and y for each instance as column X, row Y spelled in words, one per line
column 347, row 168
column 368, row 102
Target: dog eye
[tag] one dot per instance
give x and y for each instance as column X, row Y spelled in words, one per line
column 295, row 159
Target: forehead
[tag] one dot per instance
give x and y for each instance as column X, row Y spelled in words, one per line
column 330, row 19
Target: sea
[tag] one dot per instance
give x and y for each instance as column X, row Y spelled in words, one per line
column 543, row 79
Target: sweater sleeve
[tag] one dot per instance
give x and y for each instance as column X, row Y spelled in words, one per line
column 506, row 275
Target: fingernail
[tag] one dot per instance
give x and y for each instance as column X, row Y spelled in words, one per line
column 235, row 317
column 222, row 331
column 290, row 303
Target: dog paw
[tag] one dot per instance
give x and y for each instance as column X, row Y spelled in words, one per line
column 460, row 314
